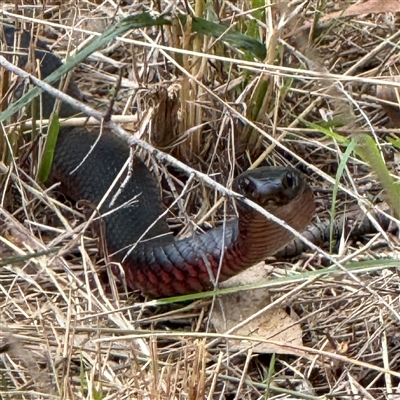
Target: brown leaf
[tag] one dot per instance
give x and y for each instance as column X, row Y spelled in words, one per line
column 273, row 324
column 355, row 10
column 371, row 7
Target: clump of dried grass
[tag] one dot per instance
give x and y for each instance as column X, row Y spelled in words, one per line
column 66, row 335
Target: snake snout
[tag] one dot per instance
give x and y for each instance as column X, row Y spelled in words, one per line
column 247, row 187
column 290, row 181
column 270, row 186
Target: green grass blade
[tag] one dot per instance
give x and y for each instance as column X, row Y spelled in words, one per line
column 132, row 22
column 367, row 149
column 17, row 259
column 339, row 174
column 48, row 154
column 253, row 29
column 219, row 30
column 394, row 142
column 327, row 132
column 355, row 267
column 270, row 377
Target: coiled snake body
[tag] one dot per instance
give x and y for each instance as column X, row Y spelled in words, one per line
column 153, row 261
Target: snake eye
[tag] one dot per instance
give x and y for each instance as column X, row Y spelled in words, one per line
column 247, row 186
column 289, row 180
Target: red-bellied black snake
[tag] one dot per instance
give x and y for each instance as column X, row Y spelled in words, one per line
column 159, row 265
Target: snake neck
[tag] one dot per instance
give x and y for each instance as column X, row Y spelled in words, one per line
column 199, row 262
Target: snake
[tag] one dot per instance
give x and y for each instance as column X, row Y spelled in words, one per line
column 129, row 214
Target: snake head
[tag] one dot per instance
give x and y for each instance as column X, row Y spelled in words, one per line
column 271, row 187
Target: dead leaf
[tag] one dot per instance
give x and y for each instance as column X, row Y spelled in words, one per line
column 355, row 10
column 273, row 324
column 371, row 7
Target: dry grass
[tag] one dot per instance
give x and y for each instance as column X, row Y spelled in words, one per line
column 65, row 334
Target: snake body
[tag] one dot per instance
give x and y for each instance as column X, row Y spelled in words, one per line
column 130, row 209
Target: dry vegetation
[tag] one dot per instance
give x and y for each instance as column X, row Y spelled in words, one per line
column 66, row 334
